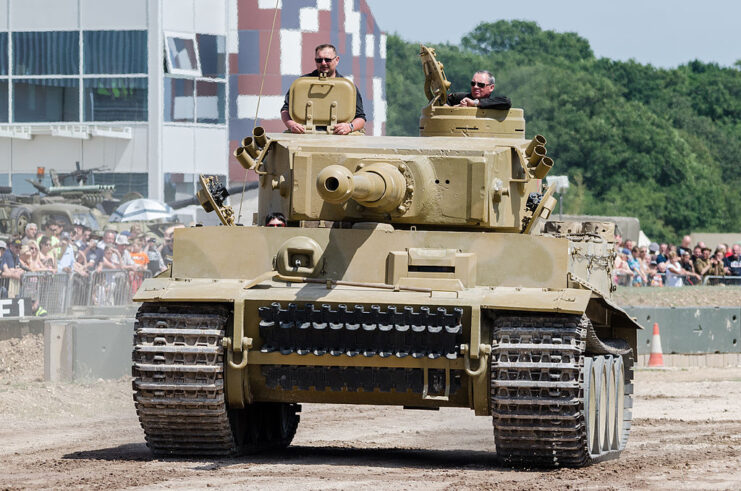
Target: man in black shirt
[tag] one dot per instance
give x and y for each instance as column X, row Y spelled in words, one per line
column 325, row 56
column 482, row 86
column 733, row 262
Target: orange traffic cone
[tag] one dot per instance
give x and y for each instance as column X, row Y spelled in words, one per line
column 657, row 357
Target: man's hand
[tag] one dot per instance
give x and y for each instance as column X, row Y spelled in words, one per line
column 295, row 127
column 342, row 129
column 469, row 102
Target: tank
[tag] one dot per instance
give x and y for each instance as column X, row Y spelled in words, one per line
column 411, row 271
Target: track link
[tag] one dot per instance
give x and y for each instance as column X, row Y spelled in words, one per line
column 178, row 369
column 538, row 391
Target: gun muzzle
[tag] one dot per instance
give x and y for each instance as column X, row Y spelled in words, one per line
column 380, row 185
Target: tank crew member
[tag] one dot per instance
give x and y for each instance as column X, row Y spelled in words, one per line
column 482, row 86
column 325, row 56
column 276, row 219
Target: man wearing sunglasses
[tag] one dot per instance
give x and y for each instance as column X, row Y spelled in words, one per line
column 326, row 59
column 482, row 86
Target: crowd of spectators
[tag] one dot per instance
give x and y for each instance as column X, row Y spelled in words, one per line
column 672, row 265
column 81, row 251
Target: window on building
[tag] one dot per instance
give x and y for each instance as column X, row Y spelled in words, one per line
column 195, row 95
column 210, row 102
column 3, row 101
column 115, row 99
column 46, row 100
column 3, row 53
column 179, row 100
column 115, row 52
column 212, row 50
column 182, row 54
column 46, row 53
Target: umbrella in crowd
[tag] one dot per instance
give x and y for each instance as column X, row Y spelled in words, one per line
column 142, row 209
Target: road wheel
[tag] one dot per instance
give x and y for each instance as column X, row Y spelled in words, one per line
column 19, row 218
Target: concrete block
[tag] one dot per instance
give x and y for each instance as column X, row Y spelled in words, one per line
column 57, row 352
column 102, row 348
column 79, row 349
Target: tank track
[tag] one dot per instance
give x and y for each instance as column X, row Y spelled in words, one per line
column 178, row 369
column 431, row 332
column 538, row 392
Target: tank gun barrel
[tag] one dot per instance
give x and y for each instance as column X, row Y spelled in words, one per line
column 379, row 185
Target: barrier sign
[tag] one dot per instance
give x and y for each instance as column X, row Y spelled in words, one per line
column 15, row 307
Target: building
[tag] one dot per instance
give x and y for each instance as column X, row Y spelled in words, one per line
column 155, row 92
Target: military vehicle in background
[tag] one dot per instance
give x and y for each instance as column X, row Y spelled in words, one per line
column 410, row 272
column 64, row 201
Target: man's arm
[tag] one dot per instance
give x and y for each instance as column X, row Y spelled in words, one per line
column 455, row 98
column 495, row 102
column 292, row 126
column 358, row 122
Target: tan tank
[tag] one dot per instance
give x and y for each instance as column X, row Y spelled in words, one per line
column 411, row 272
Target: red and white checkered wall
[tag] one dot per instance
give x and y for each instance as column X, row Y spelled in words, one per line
column 300, row 25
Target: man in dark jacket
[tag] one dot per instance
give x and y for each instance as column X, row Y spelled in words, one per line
column 325, row 56
column 481, row 95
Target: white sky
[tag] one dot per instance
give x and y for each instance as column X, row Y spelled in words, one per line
column 663, row 33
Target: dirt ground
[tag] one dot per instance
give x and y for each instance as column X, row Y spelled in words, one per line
column 686, row 435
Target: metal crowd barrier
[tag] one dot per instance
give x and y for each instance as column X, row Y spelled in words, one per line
column 721, row 280
column 50, row 289
column 56, row 292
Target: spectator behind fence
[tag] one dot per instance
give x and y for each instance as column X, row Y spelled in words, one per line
column 702, row 264
column 622, row 272
column 45, row 255
column 674, row 270
column 10, row 266
column 110, row 259
column 122, row 248
column 639, row 276
column 720, row 257
column 696, row 253
column 34, row 261
column 78, row 236
column 138, row 254
column 66, row 263
column 655, row 274
column 109, row 237
column 166, row 250
column 663, row 251
column 686, row 245
column 732, row 263
column 690, row 276
column 30, row 233
column 24, row 258
column 156, row 264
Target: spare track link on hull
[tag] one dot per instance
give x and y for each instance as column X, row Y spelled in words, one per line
column 178, row 387
column 430, row 332
column 538, row 393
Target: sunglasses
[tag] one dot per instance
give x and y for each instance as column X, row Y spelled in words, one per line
column 325, row 60
column 480, row 85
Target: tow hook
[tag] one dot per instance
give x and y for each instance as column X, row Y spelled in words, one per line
column 484, row 351
column 246, row 345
